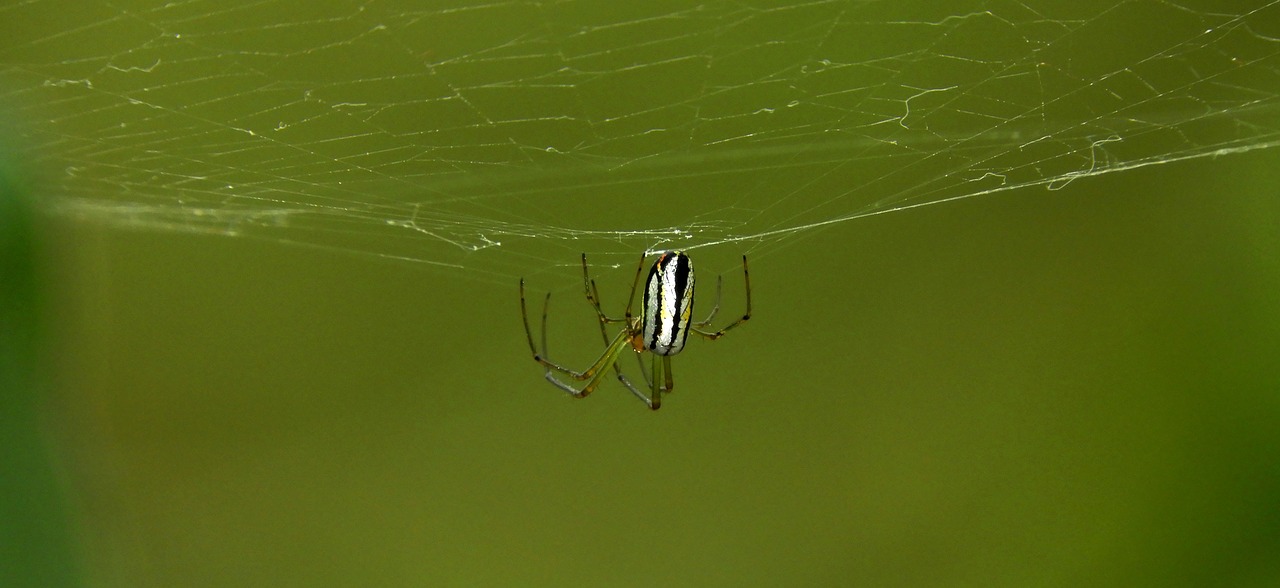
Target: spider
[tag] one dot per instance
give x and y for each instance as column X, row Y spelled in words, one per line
column 661, row 329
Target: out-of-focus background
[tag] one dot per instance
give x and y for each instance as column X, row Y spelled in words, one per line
column 1015, row 273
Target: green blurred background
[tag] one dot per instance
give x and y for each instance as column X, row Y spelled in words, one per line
column 266, row 329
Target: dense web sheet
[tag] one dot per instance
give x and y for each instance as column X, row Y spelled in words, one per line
column 496, row 137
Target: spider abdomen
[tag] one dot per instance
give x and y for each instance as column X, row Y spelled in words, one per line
column 668, row 303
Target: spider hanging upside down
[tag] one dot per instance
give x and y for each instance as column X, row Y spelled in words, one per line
column 661, row 329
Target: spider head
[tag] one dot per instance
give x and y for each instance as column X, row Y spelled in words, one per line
column 637, row 340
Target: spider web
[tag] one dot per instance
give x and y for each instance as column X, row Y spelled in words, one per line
column 499, row 137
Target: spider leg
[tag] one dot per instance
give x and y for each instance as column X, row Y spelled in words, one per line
column 533, row 348
column 654, row 376
column 655, row 395
column 593, row 374
column 746, row 277
column 714, row 309
column 593, row 293
column 610, row 357
column 593, row 297
column 666, row 369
